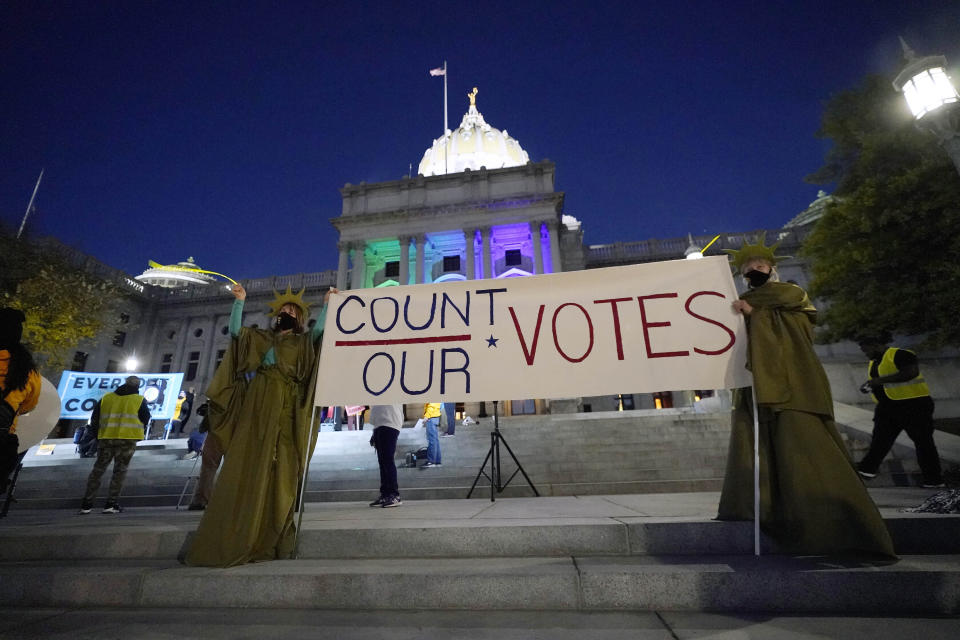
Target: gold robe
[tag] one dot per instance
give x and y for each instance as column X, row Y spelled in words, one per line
column 264, row 426
column 811, row 499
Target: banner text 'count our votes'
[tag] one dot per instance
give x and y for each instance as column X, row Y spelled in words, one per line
column 422, row 343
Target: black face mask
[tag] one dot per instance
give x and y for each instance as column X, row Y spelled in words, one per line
column 756, row 278
column 286, row 321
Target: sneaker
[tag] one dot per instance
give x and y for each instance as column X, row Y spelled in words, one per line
column 940, row 485
column 867, row 475
column 447, row 435
column 196, row 507
column 378, row 502
column 431, row 464
column 112, row 508
column 86, row 508
column 393, row 501
column 190, row 455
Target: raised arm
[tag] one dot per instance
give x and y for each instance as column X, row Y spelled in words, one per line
column 317, row 332
column 236, row 314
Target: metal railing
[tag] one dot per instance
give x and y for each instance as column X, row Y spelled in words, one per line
column 673, row 248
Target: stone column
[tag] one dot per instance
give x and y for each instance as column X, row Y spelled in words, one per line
column 470, row 236
column 209, row 363
column 487, row 259
column 342, row 267
column 404, row 277
column 179, row 359
column 358, row 281
column 537, row 248
column 552, row 230
column 420, row 239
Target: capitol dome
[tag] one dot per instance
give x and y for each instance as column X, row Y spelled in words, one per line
column 472, row 145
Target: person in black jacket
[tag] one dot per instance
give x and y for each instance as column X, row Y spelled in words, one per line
column 185, row 402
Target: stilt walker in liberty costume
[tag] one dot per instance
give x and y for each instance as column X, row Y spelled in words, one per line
column 811, row 498
column 264, row 428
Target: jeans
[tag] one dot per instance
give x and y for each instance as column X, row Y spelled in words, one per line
column 433, row 440
column 385, row 442
column 450, row 411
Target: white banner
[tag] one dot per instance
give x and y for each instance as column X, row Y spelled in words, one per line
column 643, row 328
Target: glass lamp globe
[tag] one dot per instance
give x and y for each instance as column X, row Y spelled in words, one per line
column 924, row 82
column 928, row 90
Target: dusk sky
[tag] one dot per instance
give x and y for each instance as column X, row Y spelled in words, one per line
column 224, row 130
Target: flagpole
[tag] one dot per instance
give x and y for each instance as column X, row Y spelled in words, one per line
column 446, row 142
column 30, row 205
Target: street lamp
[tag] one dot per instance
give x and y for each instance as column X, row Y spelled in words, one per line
column 932, row 98
column 131, row 364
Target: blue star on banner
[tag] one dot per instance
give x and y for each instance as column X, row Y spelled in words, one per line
column 491, row 341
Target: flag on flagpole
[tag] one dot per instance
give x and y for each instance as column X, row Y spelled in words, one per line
column 439, row 71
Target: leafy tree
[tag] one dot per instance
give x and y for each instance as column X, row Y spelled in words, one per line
column 64, row 303
column 886, row 254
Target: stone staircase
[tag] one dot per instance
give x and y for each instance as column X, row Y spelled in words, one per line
column 571, row 454
column 604, row 453
column 622, row 553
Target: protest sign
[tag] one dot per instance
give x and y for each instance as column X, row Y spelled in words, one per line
column 634, row 329
column 80, row 390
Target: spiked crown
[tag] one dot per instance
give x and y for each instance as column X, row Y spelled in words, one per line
column 744, row 254
column 289, row 298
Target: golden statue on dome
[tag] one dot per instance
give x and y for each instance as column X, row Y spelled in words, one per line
column 473, row 97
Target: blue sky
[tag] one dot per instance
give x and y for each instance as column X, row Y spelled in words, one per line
column 224, row 130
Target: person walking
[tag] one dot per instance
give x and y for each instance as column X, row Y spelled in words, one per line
column 903, row 403
column 811, row 499
column 19, row 389
column 119, row 419
column 387, row 420
column 431, row 419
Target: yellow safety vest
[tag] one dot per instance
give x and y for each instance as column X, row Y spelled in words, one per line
column 915, row 388
column 119, row 419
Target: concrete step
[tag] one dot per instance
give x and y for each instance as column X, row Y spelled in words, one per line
column 914, row 585
column 551, row 526
column 295, row 624
column 588, row 553
column 167, row 495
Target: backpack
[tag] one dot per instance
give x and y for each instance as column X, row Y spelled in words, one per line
column 86, row 442
column 412, row 456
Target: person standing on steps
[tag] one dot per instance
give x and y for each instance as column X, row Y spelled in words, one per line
column 118, row 419
column 450, row 415
column 431, row 418
column 812, row 501
column 263, row 429
column 387, row 420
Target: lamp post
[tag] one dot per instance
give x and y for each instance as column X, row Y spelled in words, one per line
column 932, row 98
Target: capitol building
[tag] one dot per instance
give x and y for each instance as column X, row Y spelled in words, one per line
column 478, row 208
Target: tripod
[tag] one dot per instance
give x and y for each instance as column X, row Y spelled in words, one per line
column 493, row 455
